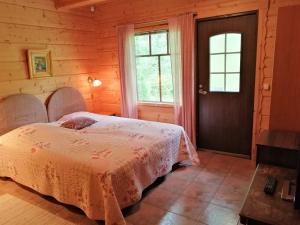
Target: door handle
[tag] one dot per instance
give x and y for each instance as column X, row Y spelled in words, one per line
column 201, row 90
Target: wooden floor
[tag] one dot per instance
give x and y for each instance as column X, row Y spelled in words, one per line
column 211, row 194
column 18, row 212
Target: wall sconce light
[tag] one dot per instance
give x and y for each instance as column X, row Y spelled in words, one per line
column 94, row 82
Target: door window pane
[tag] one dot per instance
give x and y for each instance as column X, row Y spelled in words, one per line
column 148, row 78
column 217, row 63
column 142, row 44
column 225, row 62
column 233, row 62
column 216, row 82
column 159, row 43
column 217, row 43
column 166, row 79
column 233, row 42
column 233, row 82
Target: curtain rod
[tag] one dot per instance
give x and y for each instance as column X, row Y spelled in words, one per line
column 157, row 22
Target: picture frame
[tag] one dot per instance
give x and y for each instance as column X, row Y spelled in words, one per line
column 39, row 63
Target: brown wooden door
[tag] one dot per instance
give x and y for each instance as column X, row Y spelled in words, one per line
column 226, row 60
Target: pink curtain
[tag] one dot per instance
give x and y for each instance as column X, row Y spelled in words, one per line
column 182, row 46
column 126, row 47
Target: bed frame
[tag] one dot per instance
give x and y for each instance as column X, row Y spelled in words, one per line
column 65, row 101
column 19, row 110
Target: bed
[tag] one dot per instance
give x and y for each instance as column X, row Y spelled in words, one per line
column 100, row 169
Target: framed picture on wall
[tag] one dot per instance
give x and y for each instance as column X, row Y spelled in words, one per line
column 39, row 63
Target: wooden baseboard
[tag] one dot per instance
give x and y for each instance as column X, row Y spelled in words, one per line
column 225, row 153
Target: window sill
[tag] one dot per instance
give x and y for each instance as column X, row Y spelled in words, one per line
column 157, row 104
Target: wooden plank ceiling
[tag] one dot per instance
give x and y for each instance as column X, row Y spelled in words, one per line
column 71, row 4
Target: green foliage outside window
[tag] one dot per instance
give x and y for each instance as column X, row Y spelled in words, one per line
column 153, row 62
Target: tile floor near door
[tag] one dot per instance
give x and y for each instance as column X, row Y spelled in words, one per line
column 210, row 194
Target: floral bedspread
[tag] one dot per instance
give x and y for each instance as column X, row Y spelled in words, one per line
column 100, row 169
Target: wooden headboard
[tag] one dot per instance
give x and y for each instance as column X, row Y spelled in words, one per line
column 65, row 101
column 21, row 109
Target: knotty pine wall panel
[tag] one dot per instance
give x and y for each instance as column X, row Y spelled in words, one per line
column 18, row 53
column 13, row 33
column 20, row 14
column 36, row 24
column 47, row 5
column 158, row 113
column 40, row 4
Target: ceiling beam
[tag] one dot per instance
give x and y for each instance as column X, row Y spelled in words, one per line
column 71, row 4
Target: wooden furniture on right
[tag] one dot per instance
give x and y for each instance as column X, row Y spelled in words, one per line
column 277, row 155
column 262, row 209
column 279, row 148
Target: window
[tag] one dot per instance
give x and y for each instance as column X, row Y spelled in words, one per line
column 225, row 62
column 153, row 66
